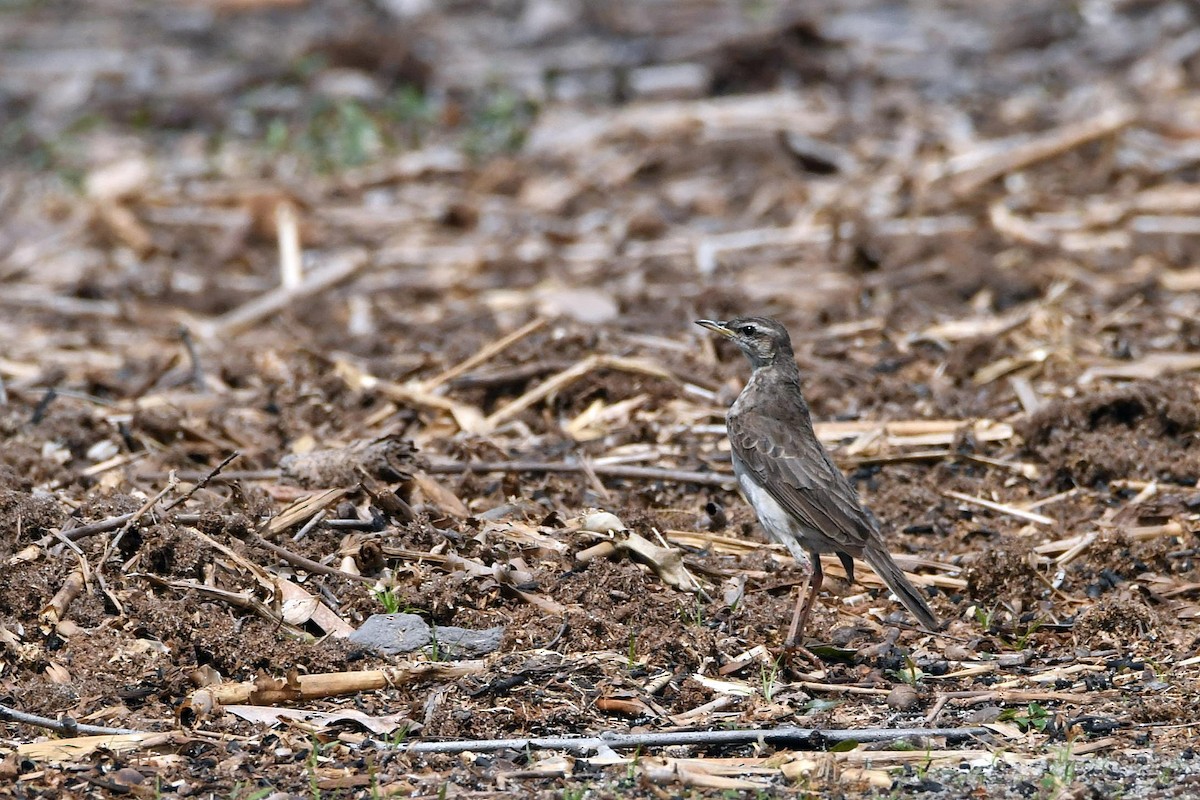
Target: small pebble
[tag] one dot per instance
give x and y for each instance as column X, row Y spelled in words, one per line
column 984, row 715
column 956, row 652
column 127, row 777
column 1013, row 659
column 902, row 697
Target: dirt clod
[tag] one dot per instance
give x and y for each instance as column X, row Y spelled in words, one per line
column 1002, row 575
column 273, row 250
column 1116, row 620
column 1143, row 430
column 25, row 516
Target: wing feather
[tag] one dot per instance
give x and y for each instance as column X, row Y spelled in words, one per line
column 793, row 466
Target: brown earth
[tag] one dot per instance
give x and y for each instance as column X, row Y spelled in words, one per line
column 941, row 203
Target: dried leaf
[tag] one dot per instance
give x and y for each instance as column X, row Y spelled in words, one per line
column 440, row 496
column 667, row 562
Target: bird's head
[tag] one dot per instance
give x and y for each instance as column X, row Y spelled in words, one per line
column 762, row 339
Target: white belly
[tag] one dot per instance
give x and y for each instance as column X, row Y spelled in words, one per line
column 776, row 521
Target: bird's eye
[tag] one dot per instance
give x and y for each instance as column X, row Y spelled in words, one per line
column 748, row 330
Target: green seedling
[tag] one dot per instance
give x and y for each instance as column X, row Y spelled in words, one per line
column 769, row 677
column 1032, row 717
column 910, row 673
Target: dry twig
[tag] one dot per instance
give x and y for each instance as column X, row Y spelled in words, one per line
column 786, row 736
column 717, row 479
column 63, row 726
column 972, row 170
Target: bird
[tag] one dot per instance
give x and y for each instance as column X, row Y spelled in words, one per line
column 800, row 497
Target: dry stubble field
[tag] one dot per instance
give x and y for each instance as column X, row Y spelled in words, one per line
column 313, row 311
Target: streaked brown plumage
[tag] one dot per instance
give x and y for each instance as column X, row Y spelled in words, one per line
column 799, row 495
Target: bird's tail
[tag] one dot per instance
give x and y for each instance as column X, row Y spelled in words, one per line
column 885, row 567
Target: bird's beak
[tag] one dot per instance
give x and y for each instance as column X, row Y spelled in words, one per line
column 716, row 327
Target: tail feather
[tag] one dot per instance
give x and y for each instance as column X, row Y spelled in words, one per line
column 887, row 569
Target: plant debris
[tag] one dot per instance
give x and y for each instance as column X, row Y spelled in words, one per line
column 312, row 333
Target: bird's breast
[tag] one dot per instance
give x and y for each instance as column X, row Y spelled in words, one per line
column 779, row 525
column 778, row 522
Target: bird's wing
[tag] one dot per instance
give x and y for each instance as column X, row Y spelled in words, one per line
column 795, row 470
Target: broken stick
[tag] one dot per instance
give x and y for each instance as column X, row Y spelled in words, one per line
column 786, row 735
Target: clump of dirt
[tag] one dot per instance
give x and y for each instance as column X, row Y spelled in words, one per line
column 969, row 356
column 29, row 585
column 164, row 424
column 43, row 694
column 640, row 616
column 1116, row 620
column 1164, row 709
column 608, row 386
column 442, row 595
column 100, row 505
column 10, row 479
column 1114, row 556
column 167, row 551
column 387, row 459
column 1004, row 575
column 204, row 633
column 1143, row 430
column 25, row 516
column 22, row 461
column 908, row 500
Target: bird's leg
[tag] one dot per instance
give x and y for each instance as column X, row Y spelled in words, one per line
column 794, row 630
column 800, row 615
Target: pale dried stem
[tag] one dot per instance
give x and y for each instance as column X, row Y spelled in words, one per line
column 991, row 160
column 569, row 376
column 484, row 355
column 1012, row 511
column 271, row 691
column 291, row 270
column 339, row 268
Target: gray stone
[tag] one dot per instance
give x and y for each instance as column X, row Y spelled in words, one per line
column 984, row 715
column 465, row 643
column 393, row 633
column 1014, row 659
